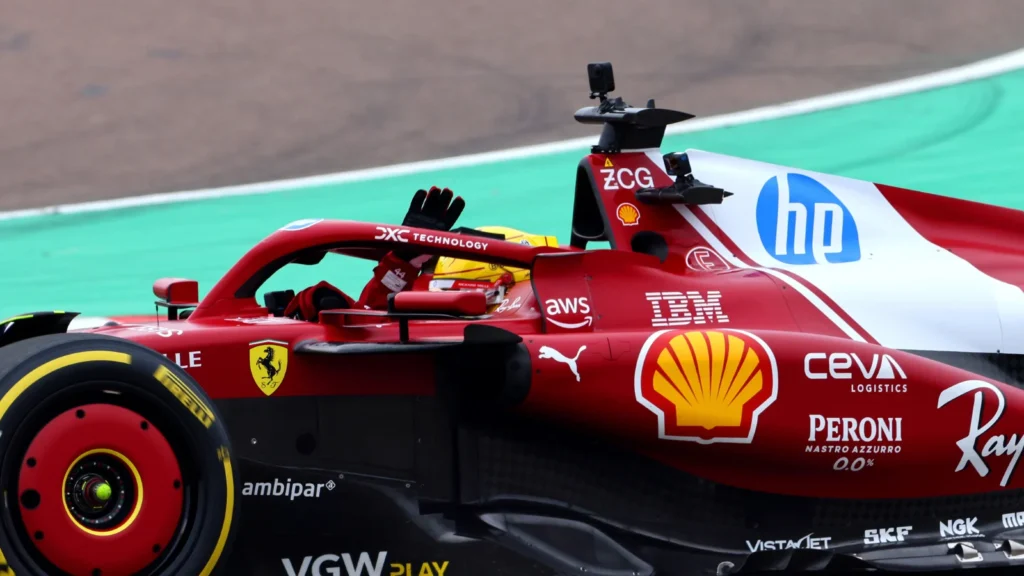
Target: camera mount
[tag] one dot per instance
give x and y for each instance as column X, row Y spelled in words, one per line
column 625, row 127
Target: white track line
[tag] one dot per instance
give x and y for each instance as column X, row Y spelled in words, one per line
column 983, row 69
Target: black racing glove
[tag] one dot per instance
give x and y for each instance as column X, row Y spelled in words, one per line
column 434, row 210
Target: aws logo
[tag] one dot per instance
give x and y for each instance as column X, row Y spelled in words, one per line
column 706, row 386
column 800, row 221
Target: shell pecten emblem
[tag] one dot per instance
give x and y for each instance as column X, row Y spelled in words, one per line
column 628, row 214
column 706, row 386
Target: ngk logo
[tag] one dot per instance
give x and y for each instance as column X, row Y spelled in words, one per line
column 958, row 527
column 391, row 234
column 886, row 535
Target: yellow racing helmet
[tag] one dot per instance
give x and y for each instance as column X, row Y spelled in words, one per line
column 456, row 273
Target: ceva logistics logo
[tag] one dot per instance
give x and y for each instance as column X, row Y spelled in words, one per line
column 803, row 222
column 706, row 386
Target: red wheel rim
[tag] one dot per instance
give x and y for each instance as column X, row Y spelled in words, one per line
column 100, row 490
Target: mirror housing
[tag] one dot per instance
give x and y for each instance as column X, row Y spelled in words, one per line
column 450, row 303
column 176, row 294
column 176, row 290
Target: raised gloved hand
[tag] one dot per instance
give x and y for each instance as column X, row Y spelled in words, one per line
column 436, row 209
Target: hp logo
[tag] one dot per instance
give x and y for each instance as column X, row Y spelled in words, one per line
column 800, row 221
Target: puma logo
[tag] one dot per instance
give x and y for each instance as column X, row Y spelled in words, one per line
column 549, row 352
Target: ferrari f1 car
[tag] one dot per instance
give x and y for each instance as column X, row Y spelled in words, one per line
column 769, row 370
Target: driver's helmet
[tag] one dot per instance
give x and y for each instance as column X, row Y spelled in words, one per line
column 494, row 279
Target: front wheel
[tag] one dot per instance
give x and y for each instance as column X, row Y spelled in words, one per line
column 114, row 462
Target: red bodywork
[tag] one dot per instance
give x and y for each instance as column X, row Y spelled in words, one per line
column 729, row 373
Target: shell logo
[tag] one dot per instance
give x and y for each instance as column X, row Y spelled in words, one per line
column 706, row 386
column 628, row 214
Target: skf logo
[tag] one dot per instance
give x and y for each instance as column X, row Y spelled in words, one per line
column 268, row 362
column 706, row 387
column 628, row 214
column 392, row 234
column 886, row 535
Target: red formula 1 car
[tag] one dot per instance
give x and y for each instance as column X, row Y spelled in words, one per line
column 770, row 370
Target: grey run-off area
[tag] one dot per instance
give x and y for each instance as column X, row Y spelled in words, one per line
column 112, row 98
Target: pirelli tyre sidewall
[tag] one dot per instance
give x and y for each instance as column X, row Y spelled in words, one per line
column 41, row 377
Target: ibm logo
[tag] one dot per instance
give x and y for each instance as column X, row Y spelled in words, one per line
column 678, row 309
column 800, row 221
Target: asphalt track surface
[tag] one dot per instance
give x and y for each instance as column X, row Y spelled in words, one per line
column 113, row 98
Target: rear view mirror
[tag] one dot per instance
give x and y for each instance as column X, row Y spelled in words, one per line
column 453, row 303
column 407, row 305
column 176, row 294
column 176, row 290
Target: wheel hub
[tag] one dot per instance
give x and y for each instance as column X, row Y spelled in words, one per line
column 100, row 491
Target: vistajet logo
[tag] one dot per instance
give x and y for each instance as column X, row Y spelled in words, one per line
column 287, row 489
column 807, row 542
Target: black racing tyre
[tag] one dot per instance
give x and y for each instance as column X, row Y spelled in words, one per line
column 113, row 462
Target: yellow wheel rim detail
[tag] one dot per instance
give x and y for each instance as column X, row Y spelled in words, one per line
column 138, row 501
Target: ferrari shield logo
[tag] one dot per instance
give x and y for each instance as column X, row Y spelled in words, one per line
column 268, row 362
column 706, row 386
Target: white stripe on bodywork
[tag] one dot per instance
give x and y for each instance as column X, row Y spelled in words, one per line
column 904, row 291
column 811, row 297
column 718, row 246
column 1010, row 306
